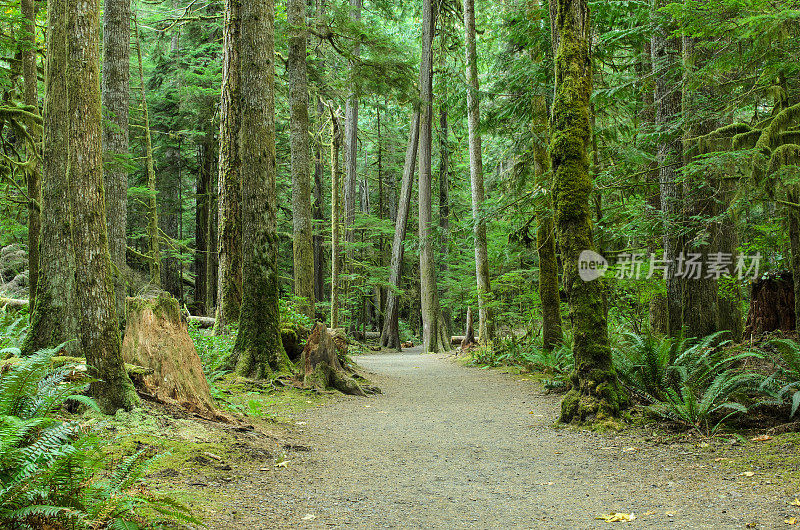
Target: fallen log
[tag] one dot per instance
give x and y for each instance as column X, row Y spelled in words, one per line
column 13, row 303
column 202, row 322
column 456, row 340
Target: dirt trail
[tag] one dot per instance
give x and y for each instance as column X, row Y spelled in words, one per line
column 446, row 446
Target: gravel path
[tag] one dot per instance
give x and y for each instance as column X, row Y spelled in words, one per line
column 446, row 446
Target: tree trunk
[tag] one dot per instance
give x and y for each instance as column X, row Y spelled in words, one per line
column 54, row 315
column 772, row 303
column 444, row 211
column 432, row 339
column 469, row 331
column 98, row 327
column 301, row 184
column 350, row 159
column 794, row 243
column 153, row 236
column 259, row 351
column 665, row 51
column 116, row 99
column 29, row 74
column 595, row 394
column 390, row 337
column 229, row 248
column 485, row 316
column 321, row 366
column 318, row 212
column 203, row 221
column 336, row 207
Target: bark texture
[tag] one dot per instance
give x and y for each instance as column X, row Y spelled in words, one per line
column 321, row 366
column 98, row 327
column 595, row 393
column 485, row 317
column 229, row 248
column 258, row 350
column 116, row 100
column 301, row 182
column 433, row 337
column 390, row 337
column 54, row 315
column 336, row 220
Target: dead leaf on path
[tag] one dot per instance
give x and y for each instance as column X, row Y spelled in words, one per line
column 762, row 438
column 284, row 463
column 720, row 459
column 382, row 412
column 630, row 449
column 300, row 423
column 309, row 517
column 617, row 517
column 795, row 502
column 367, row 406
column 747, row 474
column 546, row 483
column 791, row 520
column 649, row 513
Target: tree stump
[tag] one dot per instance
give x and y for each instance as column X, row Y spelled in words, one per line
column 321, row 366
column 469, row 333
column 771, row 304
column 157, row 338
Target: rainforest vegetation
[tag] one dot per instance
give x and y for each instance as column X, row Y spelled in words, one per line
column 209, row 208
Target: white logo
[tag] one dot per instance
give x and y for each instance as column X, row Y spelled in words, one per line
column 591, row 265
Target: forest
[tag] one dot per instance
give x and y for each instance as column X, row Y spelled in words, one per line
column 284, row 264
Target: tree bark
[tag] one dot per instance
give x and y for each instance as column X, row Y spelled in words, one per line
column 444, row 211
column 54, row 315
column 336, row 207
column 116, row 100
column 258, row 350
column 665, row 51
column 485, row 316
column 301, row 183
column 98, row 327
column 31, row 93
column 229, row 248
column 203, row 220
column 318, row 212
column 595, row 393
column 390, row 337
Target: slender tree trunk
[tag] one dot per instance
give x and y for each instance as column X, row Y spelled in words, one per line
column 485, row 317
column 229, row 248
column 665, row 51
column 793, row 218
column 301, row 183
column 444, row 212
column 153, row 236
column 258, row 350
column 350, row 160
column 432, row 336
column 212, row 265
column 98, row 327
column 203, row 220
column 336, row 207
column 318, row 211
column 595, row 393
column 116, row 100
column 552, row 333
column 29, row 74
column 54, row 315
column 390, row 336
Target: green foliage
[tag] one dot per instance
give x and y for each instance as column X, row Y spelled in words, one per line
column 697, row 383
column 56, row 470
column 13, row 327
column 526, row 353
column 783, row 386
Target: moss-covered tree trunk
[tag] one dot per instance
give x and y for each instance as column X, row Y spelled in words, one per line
column 258, row 350
column 485, row 317
column 336, row 219
column 54, row 316
column 32, row 174
column 595, row 394
column 98, row 328
column 229, row 249
column 793, row 219
column 390, row 336
column 301, row 183
column 116, row 99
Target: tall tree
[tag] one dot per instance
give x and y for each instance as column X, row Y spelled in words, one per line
column 31, row 92
column 444, row 209
column 116, row 100
column 229, row 249
column 301, row 183
column 351, row 153
column 258, row 350
column 486, row 319
column 54, row 318
column 98, row 328
column 433, row 339
column 336, row 220
column 666, row 52
column 390, row 336
column 595, row 393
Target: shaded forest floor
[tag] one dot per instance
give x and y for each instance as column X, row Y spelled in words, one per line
column 448, row 446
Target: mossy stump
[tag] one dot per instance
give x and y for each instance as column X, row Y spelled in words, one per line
column 321, row 366
column 156, row 338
